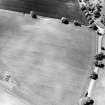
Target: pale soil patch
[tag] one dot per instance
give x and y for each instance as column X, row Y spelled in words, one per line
column 50, row 61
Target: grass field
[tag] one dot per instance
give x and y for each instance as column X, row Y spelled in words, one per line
column 50, row 61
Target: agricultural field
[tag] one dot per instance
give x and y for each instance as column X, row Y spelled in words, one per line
column 49, row 62
column 47, row 8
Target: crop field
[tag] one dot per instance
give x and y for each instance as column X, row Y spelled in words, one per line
column 48, row 8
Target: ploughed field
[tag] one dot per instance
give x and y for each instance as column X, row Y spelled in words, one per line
column 49, row 8
column 49, row 62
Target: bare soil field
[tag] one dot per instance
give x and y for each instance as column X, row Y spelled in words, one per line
column 48, row 61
